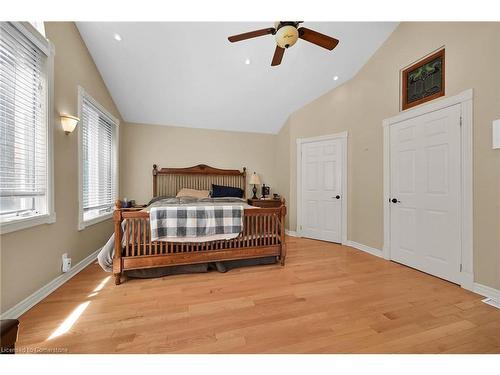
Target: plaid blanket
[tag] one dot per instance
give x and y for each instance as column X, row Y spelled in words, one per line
column 195, row 221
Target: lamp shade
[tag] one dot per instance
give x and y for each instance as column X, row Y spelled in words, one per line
column 286, row 36
column 254, row 179
column 69, row 123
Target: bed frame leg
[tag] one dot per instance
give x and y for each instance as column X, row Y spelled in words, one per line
column 117, row 257
column 283, row 238
column 283, row 254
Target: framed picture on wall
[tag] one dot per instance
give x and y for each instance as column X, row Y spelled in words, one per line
column 424, row 80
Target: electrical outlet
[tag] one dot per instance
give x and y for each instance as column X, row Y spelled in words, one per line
column 66, row 262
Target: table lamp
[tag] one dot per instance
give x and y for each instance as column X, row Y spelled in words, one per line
column 254, row 180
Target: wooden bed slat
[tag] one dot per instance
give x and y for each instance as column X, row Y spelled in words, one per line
column 127, row 237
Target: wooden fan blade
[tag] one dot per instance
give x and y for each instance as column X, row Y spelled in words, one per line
column 251, row 34
column 278, row 56
column 319, row 39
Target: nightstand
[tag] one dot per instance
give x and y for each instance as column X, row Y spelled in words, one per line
column 265, row 203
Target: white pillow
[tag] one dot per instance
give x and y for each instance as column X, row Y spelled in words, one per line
column 193, row 193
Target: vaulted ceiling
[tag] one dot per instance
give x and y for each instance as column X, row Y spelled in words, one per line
column 188, row 74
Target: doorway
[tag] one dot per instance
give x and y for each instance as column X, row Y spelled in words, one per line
column 322, row 187
column 428, row 189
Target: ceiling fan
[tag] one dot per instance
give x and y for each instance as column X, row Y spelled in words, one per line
column 286, row 34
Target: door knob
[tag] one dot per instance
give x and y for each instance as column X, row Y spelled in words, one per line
column 337, row 196
column 394, row 200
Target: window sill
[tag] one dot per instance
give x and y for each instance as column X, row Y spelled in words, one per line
column 25, row 223
column 84, row 224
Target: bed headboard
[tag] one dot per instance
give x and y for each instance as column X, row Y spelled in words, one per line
column 168, row 181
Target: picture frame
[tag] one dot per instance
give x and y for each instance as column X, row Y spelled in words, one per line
column 424, row 80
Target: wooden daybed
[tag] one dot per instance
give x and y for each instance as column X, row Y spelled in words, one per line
column 263, row 232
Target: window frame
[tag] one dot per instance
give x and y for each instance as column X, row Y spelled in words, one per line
column 48, row 48
column 83, row 95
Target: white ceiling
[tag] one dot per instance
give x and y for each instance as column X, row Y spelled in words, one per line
column 188, row 74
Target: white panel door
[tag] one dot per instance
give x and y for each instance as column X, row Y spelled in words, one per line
column 321, row 199
column 425, row 191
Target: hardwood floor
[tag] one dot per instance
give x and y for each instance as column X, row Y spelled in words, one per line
column 327, row 299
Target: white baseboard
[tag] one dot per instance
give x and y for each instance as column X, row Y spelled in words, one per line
column 366, row 249
column 291, row 233
column 487, row 291
column 30, row 301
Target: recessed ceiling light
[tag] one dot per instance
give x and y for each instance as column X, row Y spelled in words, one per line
column 247, row 61
column 335, row 78
column 117, row 37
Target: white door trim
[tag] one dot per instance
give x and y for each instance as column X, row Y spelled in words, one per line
column 465, row 99
column 300, row 141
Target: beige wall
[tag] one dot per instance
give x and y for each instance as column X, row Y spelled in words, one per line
column 31, row 258
column 360, row 105
column 168, row 146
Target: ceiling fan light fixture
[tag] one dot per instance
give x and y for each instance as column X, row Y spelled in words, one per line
column 287, row 33
column 286, row 36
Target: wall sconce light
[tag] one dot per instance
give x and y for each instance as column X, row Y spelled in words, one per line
column 69, row 123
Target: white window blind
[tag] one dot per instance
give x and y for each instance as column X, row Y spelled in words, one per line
column 23, row 127
column 99, row 160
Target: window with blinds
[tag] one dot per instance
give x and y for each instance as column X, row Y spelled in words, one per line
column 99, row 160
column 24, row 127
